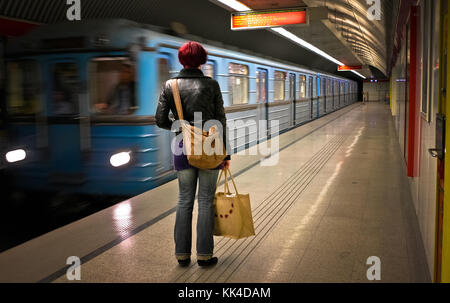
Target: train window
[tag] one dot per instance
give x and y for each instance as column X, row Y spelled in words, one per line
column 23, row 88
column 208, row 70
column 309, row 87
column 261, row 86
column 302, row 85
column 324, row 87
column 291, row 87
column 238, row 83
column 113, row 88
column 163, row 71
column 279, row 83
column 314, row 87
column 66, row 89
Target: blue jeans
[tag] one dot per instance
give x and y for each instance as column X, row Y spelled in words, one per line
column 187, row 182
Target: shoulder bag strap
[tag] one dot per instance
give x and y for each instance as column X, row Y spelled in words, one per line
column 177, row 98
column 232, row 180
column 226, row 188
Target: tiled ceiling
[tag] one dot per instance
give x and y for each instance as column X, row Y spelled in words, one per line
column 370, row 41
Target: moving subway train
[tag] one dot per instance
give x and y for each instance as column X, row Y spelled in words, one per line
column 81, row 109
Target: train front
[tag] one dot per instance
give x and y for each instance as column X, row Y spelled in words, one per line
column 80, row 99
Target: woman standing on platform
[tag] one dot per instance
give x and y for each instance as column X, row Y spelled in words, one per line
column 198, row 94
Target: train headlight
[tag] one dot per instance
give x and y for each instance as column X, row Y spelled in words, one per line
column 16, row 155
column 120, row 159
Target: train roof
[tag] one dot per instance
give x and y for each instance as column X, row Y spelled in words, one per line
column 86, row 34
column 111, row 34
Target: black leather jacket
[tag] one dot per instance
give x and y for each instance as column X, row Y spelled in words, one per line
column 198, row 94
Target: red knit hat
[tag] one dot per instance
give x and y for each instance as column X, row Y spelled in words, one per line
column 192, row 55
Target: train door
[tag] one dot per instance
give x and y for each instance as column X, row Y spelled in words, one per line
column 318, row 98
column 339, row 94
column 66, row 104
column 311, row 95
column 292, row 99
column 335, row 94
column 343, row 93
column 332, row 94
column 346, row 93
column 165, row 137
column 262, row 101
column 324, row 95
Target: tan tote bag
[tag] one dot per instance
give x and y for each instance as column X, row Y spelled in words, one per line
column 233, row 214
column 199, row 146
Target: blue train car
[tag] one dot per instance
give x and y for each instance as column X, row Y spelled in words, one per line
column 81, row 99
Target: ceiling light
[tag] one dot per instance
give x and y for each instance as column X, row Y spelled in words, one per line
column 305, row 44
column 236, row 5
column 356, row 73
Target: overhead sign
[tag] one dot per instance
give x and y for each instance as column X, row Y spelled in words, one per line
column 343, row 68
column 272, row 18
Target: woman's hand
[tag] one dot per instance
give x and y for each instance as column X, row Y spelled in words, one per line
column 226, row 164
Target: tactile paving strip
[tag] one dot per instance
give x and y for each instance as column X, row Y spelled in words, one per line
column 232, row 253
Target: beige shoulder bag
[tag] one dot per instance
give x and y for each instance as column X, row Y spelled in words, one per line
column 204, row 150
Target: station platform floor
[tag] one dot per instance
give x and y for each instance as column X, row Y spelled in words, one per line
column 338, row 195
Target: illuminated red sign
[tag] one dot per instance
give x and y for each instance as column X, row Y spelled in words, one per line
column 347, row 68
column 261, row 19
